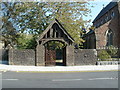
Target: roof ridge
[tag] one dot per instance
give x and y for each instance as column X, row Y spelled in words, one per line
column 105, row 9
column 50, row 25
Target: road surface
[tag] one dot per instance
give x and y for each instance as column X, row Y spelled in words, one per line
column 60, row 80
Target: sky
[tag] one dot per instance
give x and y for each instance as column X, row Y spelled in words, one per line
column 98, row 6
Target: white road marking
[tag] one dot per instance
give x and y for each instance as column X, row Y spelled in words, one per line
column 101, row 78
column 84, row 79
column 67, row 79
column 10, row 79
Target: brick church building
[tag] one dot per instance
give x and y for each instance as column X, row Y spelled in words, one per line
column 107, row 26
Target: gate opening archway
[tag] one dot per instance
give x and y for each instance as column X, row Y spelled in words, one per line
column 47, row 55
column 55, row 53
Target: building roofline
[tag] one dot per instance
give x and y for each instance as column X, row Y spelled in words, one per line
column 105, row 10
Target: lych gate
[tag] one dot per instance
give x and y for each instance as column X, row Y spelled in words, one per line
column 46, row 53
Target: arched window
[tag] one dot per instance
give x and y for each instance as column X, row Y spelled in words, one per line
column 109, row 38
column 112, row 14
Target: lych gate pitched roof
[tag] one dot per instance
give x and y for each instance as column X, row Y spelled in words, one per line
column 61, row 27
column 105, row 10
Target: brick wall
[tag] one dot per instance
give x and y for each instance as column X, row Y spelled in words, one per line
column 112, row 24
column 85, row 57
column 22, row 57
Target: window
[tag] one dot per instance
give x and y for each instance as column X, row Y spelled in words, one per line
column 109, row 38
column 112, row 14
column 106, row 18
column 98, row 24
column 101, row 22
column 95, row 26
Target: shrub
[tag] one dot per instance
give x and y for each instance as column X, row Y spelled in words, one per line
column 112, row 51
column 103, row 55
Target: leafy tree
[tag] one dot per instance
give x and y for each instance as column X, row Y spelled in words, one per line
column 70, row 14
column 12, row 19
column 34, row 17
column 26, row 41
column 8, row 30
column 32, row 43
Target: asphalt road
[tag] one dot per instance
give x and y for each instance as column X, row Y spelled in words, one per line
column 60, row 80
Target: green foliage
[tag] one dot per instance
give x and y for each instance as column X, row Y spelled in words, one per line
column 31, row 44
column 9, row 32
column 31, row 17
column 112, row 51
column 37, row 16
column 103, row 55
column 70, row 14
column 54, row 45
column 34, row 17
column 22, row 41
column 26, row 41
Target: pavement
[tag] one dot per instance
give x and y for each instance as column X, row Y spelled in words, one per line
column 85, row 68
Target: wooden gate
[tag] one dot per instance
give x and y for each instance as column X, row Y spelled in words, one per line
column 50, row 57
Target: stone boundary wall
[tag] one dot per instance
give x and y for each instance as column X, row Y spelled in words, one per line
column 85, row 57
column 22, row 57
column 28, row 57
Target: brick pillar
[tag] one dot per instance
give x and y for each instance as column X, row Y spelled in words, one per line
column 40, row 55
column 69, row 56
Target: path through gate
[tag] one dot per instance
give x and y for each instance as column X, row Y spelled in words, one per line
column 50, row 57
